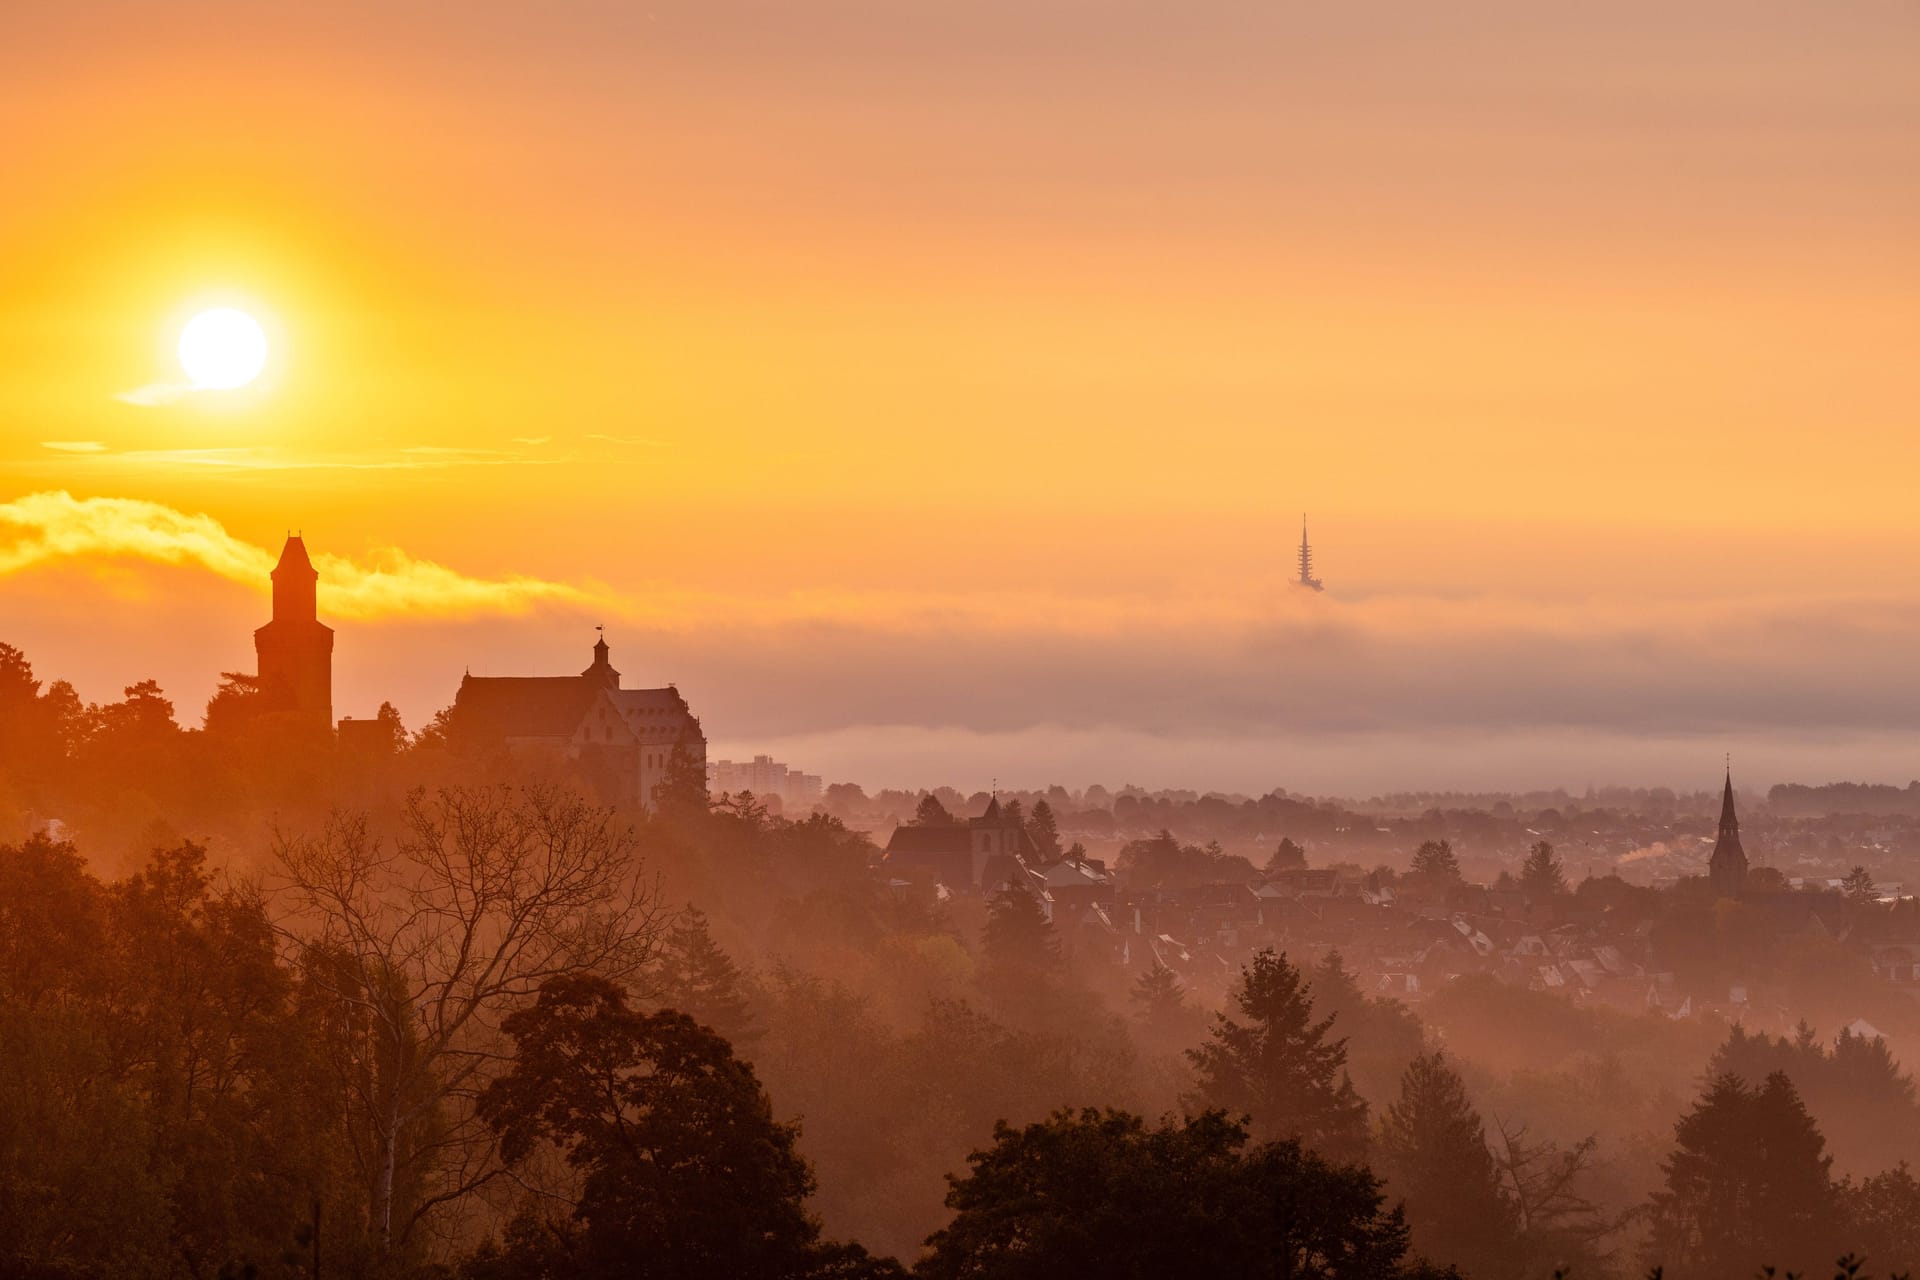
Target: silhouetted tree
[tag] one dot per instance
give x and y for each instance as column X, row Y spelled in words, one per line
column 1100, row 1194
column 1432, row 1150
column 393, row 734
column 1859, row 886
column 1288, row 856
column 1018, row 931
column 1540, row 874
column 424, row 946
column 1747, row 1184
column 693, row 975
column 1382, row 1036
column 684, row 1171
column 1044, row 831
column 438, row 733
column 1435, row 858
column 1883, row 1215
column 1279, row 1067
column 932, row 813
column 681, row 793
column 1560, row 1228
column 1160, row 1005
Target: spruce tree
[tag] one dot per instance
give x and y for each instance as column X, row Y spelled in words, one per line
column 1433, row 1153
column 1044, row 831
column 1160, row 1004
column 932, row 813
column 1018, row 932
column 1288, row 856
column 1279, row 1066
column 1435, row 858
column 1540, row 874
column 693, row 975
column 1747, row 1185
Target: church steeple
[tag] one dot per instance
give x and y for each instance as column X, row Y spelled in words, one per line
column 1727, row 869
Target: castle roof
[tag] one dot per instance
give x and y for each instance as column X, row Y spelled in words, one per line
column 294, row 555
column 523, row 706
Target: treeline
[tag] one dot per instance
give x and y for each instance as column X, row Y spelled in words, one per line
column 482, row 1043
column 1797, row 800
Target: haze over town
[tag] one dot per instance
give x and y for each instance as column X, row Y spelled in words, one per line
column 989, row 639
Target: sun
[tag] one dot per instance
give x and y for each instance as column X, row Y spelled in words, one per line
column 222, row 349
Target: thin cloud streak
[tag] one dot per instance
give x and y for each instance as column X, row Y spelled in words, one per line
column 246, row 458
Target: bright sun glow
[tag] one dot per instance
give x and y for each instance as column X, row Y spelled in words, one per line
column 222, row 349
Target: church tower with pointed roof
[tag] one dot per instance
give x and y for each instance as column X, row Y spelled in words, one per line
column 1727, row 869
column 294, row 652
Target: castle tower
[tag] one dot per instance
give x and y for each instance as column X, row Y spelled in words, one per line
column 602, row 672
column 1727, row 869
column 1306, row 578
column 294, row 652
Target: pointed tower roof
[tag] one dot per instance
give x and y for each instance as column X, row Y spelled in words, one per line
column 1306, row 578
column 294, row 555
column 1727, row 869
column 602, row 670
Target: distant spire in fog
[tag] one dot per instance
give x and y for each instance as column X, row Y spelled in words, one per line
column 1306, row 559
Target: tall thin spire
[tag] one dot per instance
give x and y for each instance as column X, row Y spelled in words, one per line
column 1727, row 869
column 1306, row 578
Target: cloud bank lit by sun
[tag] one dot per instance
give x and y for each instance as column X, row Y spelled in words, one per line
column 45, row 528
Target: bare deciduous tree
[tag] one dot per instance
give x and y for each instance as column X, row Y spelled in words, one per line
column 414, row 949
column 1557, row 1222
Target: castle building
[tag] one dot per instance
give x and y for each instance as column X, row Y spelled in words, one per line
column 1727, row 869
column 294, row 652
column 620, row 740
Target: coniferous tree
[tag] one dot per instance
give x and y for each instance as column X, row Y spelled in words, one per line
column 1280, row 1067
column 931, row 813
column 1746, row 1186
column 1435, row 858
column 1288, row 856
column 693, row 975
column 681, row 792
column 1433, row 1153
column 1044, row 831
column 1859, row 886
column 1383, row 1036
column 1160, row 1004
column 1018, row 932
column 1541, row 874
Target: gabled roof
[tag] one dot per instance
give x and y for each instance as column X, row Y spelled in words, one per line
column 522, row 706
column 943, row 838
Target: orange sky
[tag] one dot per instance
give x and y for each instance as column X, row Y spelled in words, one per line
column 1034, row 318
